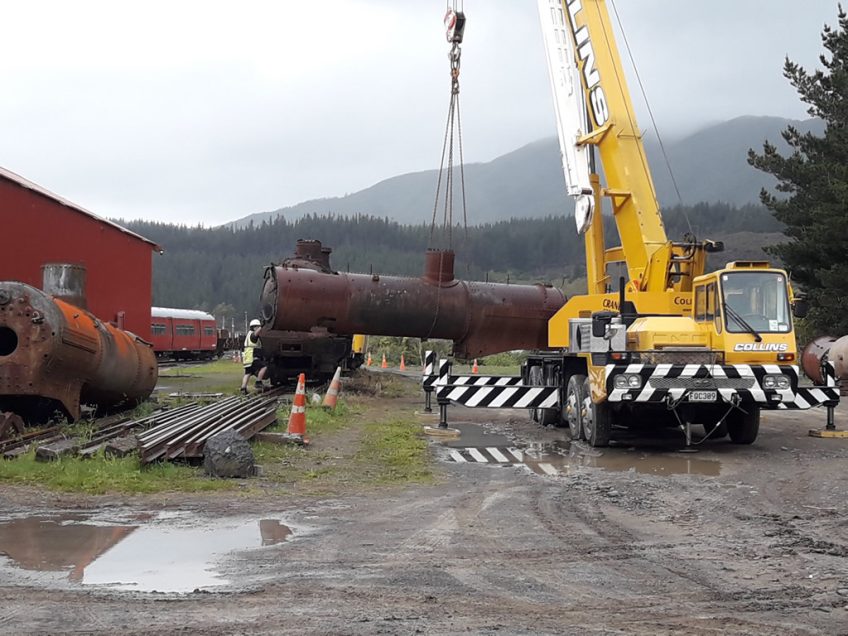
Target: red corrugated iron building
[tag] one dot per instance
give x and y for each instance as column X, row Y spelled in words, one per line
column 39, row 227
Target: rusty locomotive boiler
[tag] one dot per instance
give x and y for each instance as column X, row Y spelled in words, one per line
column 55, row 355
column 481, row 318
column 311, row 350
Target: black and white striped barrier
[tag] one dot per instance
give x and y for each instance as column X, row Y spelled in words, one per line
column 673, row 381
column 432, row 372
column 494, row 392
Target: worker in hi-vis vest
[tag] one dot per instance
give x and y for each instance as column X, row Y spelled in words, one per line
column 252, row 357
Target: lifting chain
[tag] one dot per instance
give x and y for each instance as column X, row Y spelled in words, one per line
column 454, row 31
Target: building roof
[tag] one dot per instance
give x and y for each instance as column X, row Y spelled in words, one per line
column 186, row 314
column 29, row 185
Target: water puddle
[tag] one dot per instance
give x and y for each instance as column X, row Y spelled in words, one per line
column 475, row 435
column 561, row 457
column 165, row 555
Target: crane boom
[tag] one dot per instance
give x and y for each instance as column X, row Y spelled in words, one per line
column 616, row 135
column 570, row 109
column 660, row 272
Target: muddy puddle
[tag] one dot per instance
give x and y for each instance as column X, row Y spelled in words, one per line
column 143, row 553
column 561, row 457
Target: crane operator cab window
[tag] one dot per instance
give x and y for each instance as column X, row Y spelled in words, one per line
column 756, row 301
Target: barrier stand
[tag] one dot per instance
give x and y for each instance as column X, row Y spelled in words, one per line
column 443, row 412
column 429, row 377
column 443, row 430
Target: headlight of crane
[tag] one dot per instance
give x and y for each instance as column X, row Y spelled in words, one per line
column 627, row 381
column 776, row 382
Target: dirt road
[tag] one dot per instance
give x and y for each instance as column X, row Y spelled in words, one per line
column 640, row 539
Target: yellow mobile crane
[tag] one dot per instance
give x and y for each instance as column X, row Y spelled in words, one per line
column 672, row 345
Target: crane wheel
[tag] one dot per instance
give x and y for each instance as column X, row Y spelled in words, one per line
column 574, row 408
column 744, row 427
column 597, row 419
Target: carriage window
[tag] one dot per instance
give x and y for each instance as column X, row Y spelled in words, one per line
column 158, row 329
column 208, row 331
column 184, row 330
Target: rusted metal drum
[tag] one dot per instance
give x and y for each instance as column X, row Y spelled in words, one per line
column 481, row 318
column 55, row 354
column 812, row 356
column 838, row 355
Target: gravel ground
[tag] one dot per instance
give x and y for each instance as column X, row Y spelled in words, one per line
column 759, row 548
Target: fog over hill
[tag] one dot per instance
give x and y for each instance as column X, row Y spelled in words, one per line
column 709, row 165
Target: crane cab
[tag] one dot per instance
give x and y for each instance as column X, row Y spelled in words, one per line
column 746, row 308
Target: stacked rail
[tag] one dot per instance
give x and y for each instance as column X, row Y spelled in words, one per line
column 182, row 433
column 164, row 434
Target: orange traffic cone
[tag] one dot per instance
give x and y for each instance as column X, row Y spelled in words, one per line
column 402, row 363
column 385, row 364
column 297, row 419
column 368, row 362
column 474, row 367
column 333, row 392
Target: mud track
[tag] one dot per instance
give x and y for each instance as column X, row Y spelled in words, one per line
column 758, row 549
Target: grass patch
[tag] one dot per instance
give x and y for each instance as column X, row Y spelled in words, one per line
column 221, row 376
column 100, row 474
column 348, row 448
column 394, row 451
column 293, row 463
column 385, row 385
column 361, row 443
column 223, row 366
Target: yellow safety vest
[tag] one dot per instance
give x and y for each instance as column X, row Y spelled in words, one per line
column 249, row 348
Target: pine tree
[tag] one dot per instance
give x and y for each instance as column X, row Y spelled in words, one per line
column 813, row 180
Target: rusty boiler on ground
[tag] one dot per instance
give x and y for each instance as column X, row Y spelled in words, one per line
column 481, row 318
column 56, row 356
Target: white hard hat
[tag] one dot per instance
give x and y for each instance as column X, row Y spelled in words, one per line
column 255, row 323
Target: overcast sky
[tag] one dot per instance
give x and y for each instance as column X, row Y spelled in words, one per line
column 204, row 112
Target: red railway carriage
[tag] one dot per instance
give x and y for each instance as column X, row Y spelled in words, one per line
column 183, row 333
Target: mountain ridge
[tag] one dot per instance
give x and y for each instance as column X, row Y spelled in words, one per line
column 710, row 165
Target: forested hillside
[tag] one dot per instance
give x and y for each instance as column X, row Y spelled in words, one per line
column 221, row 269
